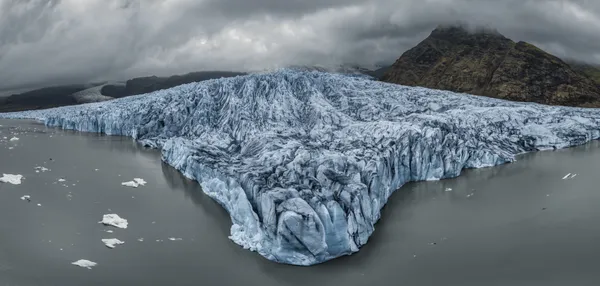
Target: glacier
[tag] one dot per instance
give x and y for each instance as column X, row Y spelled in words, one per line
column 303, row 161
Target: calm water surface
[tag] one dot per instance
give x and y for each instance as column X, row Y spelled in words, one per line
column 517, row 224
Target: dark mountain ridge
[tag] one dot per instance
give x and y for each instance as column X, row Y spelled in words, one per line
column 56, row 96
column 484, row 62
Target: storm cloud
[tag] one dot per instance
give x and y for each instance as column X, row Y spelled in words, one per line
column 45, row 42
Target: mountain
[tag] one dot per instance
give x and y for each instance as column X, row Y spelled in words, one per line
column 304, row 161
column 591, row 71
column 49, row 97
column 484, row 62
column 149, row 84
column 41, row 98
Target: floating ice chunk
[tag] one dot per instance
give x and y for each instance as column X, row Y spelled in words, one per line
column 140, row 181
column 566, row 176
column 62, row 180
column 573, row 176
column 114, row 220
column 130, row 184
column 39, row 205
column 41, row 169
column 112, row 242
column 26, row 198
column 135, row 183
column 14, row 139
column 141, row 239
column 10, row 148
column 448, row 190
column 11, row 179
column 85, row 263
column 175, row 239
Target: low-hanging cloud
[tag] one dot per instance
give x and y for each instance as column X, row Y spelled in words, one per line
column 44, row 42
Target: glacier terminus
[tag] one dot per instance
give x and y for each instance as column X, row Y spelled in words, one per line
column 303, row 161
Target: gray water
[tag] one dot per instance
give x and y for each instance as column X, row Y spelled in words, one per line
column 516, row 224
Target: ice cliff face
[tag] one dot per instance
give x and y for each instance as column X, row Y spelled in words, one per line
column 304, row 161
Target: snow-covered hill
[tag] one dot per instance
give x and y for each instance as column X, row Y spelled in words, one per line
column 304, row 161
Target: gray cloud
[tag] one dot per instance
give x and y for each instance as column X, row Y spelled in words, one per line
column 64, row 41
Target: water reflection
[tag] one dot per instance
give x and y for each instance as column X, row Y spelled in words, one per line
column 193, row 191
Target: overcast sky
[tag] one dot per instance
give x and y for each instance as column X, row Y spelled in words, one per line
column 46, row 42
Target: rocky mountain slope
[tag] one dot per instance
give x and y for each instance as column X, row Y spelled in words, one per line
column 591, row 71
column 487, row 63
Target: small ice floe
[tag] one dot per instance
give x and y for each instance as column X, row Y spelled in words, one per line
column 109, row 231
column 62, row 180
column 114, row 220
column 135, row 183
column 96, row 170
column 85, row 263
column 569, row 176
column 39, row 205
column 130, row 184
column 10, row 148
column 14, row 139
column 41, row 169
column 26, row 198
column 141, row 239
column 11, row 179
column 470, row 195
column 175, row 239
column 112, row 242
column 448, row 190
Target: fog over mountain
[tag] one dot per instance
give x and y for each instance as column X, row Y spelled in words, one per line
column 52, row 42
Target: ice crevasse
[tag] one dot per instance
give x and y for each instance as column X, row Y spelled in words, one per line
column 304, row 161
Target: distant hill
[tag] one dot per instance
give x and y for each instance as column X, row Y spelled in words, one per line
column 41, row 98
column 49, row 97
column 143, row 85
column 489, row 64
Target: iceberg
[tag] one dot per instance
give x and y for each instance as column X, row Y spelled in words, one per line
column 112, row 242
column 11, row 179
column 84, row 263
column 114, row 220
column 303, row 161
